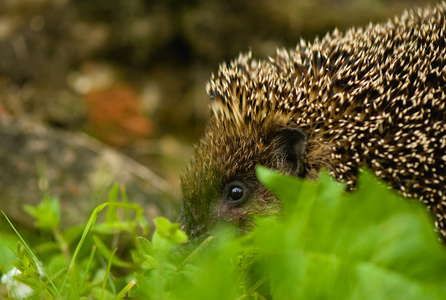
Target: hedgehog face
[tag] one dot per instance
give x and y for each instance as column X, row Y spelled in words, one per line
column 220, row 184
column 249, row 127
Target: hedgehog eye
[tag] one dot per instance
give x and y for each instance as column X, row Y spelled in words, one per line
column 236, row 192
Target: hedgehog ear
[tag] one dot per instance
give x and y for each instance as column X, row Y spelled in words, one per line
column 294, row 141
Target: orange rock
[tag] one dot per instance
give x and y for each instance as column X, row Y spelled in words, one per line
column 115, row 115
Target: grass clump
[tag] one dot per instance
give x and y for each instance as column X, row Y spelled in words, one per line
column 327, row 244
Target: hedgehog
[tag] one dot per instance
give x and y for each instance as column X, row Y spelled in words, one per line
column 371, row 97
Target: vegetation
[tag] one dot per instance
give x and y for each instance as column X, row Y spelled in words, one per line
column 369, row 244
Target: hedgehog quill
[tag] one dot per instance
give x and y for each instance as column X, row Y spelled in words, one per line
column 370, row 97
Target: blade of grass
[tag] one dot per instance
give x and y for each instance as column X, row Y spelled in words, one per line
column 32, row 254
column 125, row 200
column 90, row 223
column 109, row 255
column 107, row 273
column 251, row 291
column 112, row 214
column 199, row 248
column 125, row 290
column 90, row 260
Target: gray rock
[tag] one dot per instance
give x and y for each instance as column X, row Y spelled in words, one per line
column 79, row 170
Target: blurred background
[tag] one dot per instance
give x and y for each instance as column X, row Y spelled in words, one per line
column 96, row 92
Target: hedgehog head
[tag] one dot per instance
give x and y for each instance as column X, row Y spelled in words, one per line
column 220, row 184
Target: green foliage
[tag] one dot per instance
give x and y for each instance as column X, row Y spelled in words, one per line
column 327, row 244
column 46, row 213
column 75, row 263
column 364, row 245
column 156, row 259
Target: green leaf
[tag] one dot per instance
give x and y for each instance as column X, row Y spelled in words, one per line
column 365, row 245
column 145, row 245
column 114, row 227
column 169, row 232
column 46, row 213
column 146, row 254
column 149, row 262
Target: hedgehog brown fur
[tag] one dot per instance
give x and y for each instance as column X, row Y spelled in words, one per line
column 373, row 97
